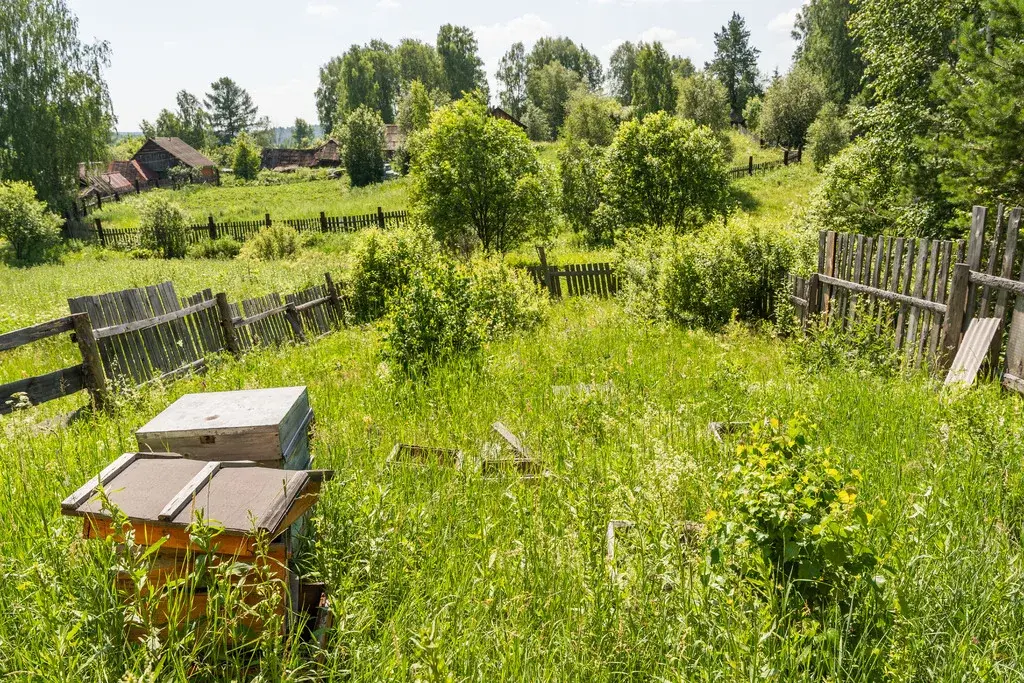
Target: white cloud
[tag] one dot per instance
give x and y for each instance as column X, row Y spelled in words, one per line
column 674, row 43
column 527, row 28
column 783, row 23
column 388, row 4
column 321, row 9
column 631, row 3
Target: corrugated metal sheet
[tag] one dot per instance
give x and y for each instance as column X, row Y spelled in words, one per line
column 973, row 350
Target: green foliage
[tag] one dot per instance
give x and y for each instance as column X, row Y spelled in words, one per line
column 191, row 123
column 31, row 232
column 416, row 107
column 620, row 72
column 55, row 108
column 790, row 106
column 864, row 191
column 382, row 262
column 980, row 121
column 583, row 169
column 245, row 160
column 273, row 243
column 666, row 172
column 704, row 100
column 752, row 112
column 735, row 63
column 741, row 268
column 447, row 309
column 419, row 61
column 369, row 77
column 590, row 117
column 538, row 129
column 327, row 93
column 460, row 60
column 476, row 177
column 512, row 77
column 220, row 248
column 362, row 139
column 787, row 513
column 550, row 88
column 125, row 148
column 827, row 49
column 231, row 108
column 163, row 226
column 653, row 87
column 867, row 345
column 828, row 135
column 302, row 133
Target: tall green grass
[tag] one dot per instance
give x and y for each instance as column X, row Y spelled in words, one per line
column 439, row 575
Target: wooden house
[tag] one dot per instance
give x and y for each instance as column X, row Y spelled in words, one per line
column 133, row 171
column 394, row 139
column 289, row 159
column 162, row 495
column 499, row 113
column 159, row 155
column 268, row 426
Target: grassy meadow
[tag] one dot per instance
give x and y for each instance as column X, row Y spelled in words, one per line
column 438, row 575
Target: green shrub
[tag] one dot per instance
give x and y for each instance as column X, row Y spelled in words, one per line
column 742, row 267
column 279, row 241
column 828, row 135
column 309, row 240
column 752, row 113
column 220, row 248
column 582, row 192
column 143, row 254
column 381, row 268
column 504, row 299
column 790, row 106
column 788, row 514
column 866, row 345
column 433, row 318
column 31, row 231
column 163, row 226
column 666, row 172
column 246, row 158
column 590, row 118
column 362, row 139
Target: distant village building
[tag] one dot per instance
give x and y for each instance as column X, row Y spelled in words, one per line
column 288, row 159
column 499, row 113
column 160, row 155
column 394, row 139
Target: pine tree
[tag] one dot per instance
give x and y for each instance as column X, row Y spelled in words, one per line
column 231, row 108
column 735, row 63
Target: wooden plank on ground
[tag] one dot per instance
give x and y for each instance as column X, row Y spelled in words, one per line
column 973, row 350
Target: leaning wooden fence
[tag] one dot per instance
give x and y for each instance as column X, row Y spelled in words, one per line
column 137, row 336
column 127, row 238
column 928, row 291
column 586, row 279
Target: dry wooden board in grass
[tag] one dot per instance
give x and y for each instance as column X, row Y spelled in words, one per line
column 585, row 389
column 720, row 430
column 269, row 426
column 409, row 454
column 521, row 460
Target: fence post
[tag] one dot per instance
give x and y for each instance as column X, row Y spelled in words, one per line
column 785, row 157
column 99, row 202
column 213, row 229
column 95, row 380
column 800, row 154
column 975, row 246
column 293, row 320
column 99, row 233
column 814, row 295
column 544, row 268
column 227, row 324
column 750, row 165
column 137, row 189
column 323, row 227
column 956, row 311
column 216, row 172
column 267, row 220
column 332, row 291
column 380, row 218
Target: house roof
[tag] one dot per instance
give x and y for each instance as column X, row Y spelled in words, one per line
column 130, row 169
column 500, row 113
column 169, row 490
column 182, row 151
column 393, row 137
column 329, row 151
column 106, row 184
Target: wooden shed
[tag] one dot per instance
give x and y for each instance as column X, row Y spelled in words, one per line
column 268, row 426
column 162, row 494
column 162, row 154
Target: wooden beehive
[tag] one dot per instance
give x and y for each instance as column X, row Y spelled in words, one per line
column 267, row 426
column 162, row 494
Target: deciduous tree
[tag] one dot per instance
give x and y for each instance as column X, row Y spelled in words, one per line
column 790, row 106
column 620, row 72
column 590, row 118
column 549, row 88
column 827, row 49
column 574, row 57
column 463, row 68
column 302, row 133
column 653, row 86
column 512, row 78
column 419, row 61
column 703, row 99
column 362, row 138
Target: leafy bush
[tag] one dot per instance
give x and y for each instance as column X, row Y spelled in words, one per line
column 582, row 190
column 704, row 100
column 788, row 513
column 31, row 231
column 538, row 129
column 163, row 226
column 590, row 118
column 865, row 345
column 382, row 264
column 447, row 309
column 705, row 276
column 246, row 158
column 362, row 139
column 828, row 135
column 432, row 319
column 790, row 106
column 503, row 298
column 220, row 248
column 279, row 241
column 667, row 172
column 752, row 113
column 477, row 177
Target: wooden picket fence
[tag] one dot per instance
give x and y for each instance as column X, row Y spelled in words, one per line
column 127, row 238
column 587, row 279
column 137, row 336
column 928, row 291
column 788, row 157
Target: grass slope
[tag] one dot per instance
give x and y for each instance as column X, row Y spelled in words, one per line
column 438, row 575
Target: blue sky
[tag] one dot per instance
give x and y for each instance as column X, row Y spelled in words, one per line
column 275, row 48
